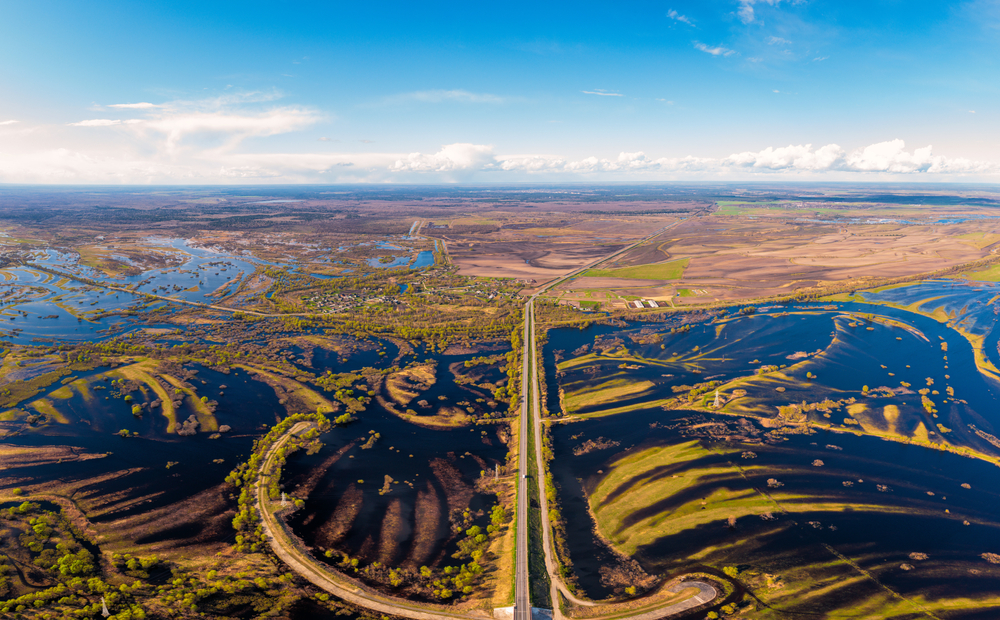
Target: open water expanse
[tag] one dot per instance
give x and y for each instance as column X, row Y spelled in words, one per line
column 36, row 306
column 132, row 476
column 871, row 500
column 433, row 471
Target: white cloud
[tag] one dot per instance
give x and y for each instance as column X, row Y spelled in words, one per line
column 625, row 162
column 440, row 96
column 531, row 163
column 820, row 58
column 677, row 17
column 714, row 51
column 451, row 158
column 798, row 158
column 778, row 41
column 884, row 157
column 602, row 93
column 238, row 97
column 202, row 142
column 69, row 166
column 8, row 123
column 104, row 122
column 269, row 123
column 247, row 172
column 134, row 106
column 746, row 13
column 891, row 157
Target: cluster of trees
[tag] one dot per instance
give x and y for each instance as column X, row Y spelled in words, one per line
column 52, row 541
column 476, row 540
column 135, row 566
column 5, row 568
column 702, row 388
column 485, row 359
column 511, row 392
column 417, row 316
column 556, row 522
column 54, row 546
column 347, row 389
column 247, row 524
column 183, row 594
column 444, row 583
column 550, row 314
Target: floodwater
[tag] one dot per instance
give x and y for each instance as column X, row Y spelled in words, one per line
column 879, row 534
column 834, row 343
column 38, row 305
column 409, row 525
column 423, row 259
column 139, row 464
column 821, row 351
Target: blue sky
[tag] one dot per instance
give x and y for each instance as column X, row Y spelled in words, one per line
column 218, row 92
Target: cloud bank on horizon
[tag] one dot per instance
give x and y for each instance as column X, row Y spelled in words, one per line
column 690, row 90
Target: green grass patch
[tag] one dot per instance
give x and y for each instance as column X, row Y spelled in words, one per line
column 607, row 392
column 634, row 472
column 990, row 274
column 672, row 270
column 980, row 240
column 889, row 287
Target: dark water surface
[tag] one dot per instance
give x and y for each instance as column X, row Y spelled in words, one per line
column 410, row 526
column 878, row 541
column 879, row 529
column 141, row 462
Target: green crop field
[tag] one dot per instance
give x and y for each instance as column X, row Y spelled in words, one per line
column 672, row 270
column 990, row 274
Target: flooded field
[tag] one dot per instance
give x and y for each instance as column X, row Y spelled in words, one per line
column 674, row 500
column 84, row 436
column 826, row 455
column 61, row 295
column 400, row 487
